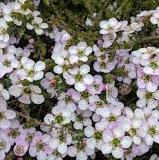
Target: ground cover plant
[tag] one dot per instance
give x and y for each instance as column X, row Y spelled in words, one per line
column 79, row 79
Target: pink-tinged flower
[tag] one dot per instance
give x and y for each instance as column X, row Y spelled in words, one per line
column 49, row 83
column 20, row 147
column 97, row 105
column 6, row 116
column 148, row 82
column 115, row 142
column 3, row 104
column 97, row 86
column 108, row 40
column 4, row 145
column 140, row 72
column 80, row 52
column 36, row 2
column 155, row 17
column 7, row 64
column 138, row 150
column 111, row 93
column 14, row 131
column 103, row 63
column 39, row 146
column 75, row 95
column 60, row 36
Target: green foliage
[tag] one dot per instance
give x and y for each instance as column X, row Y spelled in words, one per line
column 40, row 49
column 71, row 14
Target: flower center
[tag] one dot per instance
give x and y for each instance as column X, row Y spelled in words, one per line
column 1, row 115
column 59, row 119
column 132, row 132
column 6, row 63
column 40, row 146
column 99, row 103
column 116, row 142
column 112, row 118
column 153, row 65
column 85, row 94
column 78, row 136
column 31, row 73
column 14, row 133
column 98, row 135
column 78, row 77
column 27, row 90
column 96, row 86
column 152, row 131
column 80, row 53
column 147, row 78
column 103, row 65
column 68, row 99
column 148, row 95
column 2, row 144
column 29, row 137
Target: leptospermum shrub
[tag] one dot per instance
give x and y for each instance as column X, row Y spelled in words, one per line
column 62, row 99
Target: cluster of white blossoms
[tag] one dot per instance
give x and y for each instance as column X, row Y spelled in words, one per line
column 37, row 23
column 146, row 60
column 122, row 31
column 96, row 110
column 13, row 12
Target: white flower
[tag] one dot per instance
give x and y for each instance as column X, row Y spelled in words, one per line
column 115, row 142
column 4, row 36
column 149, row 99
column 60, row 56
column 53, row 143
column 5, row 145
column 148, row 59
column 7, row 64
column 118, row 153
column 106, row 148
column 154, row 157
column 72, row 151
column 155, row 17
column 37, row 24
column 77, row 125
column 126, row 142
column 30, row 70
column 112, row 25
column 4, row 93
column 150, row 133
column 89, row 131
column 26, row 94
column 79, row 52
column 60, row 114
column 79, row 77
column 6, row 116
column 62, row 148
column 88, row 22
column 81, row 156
